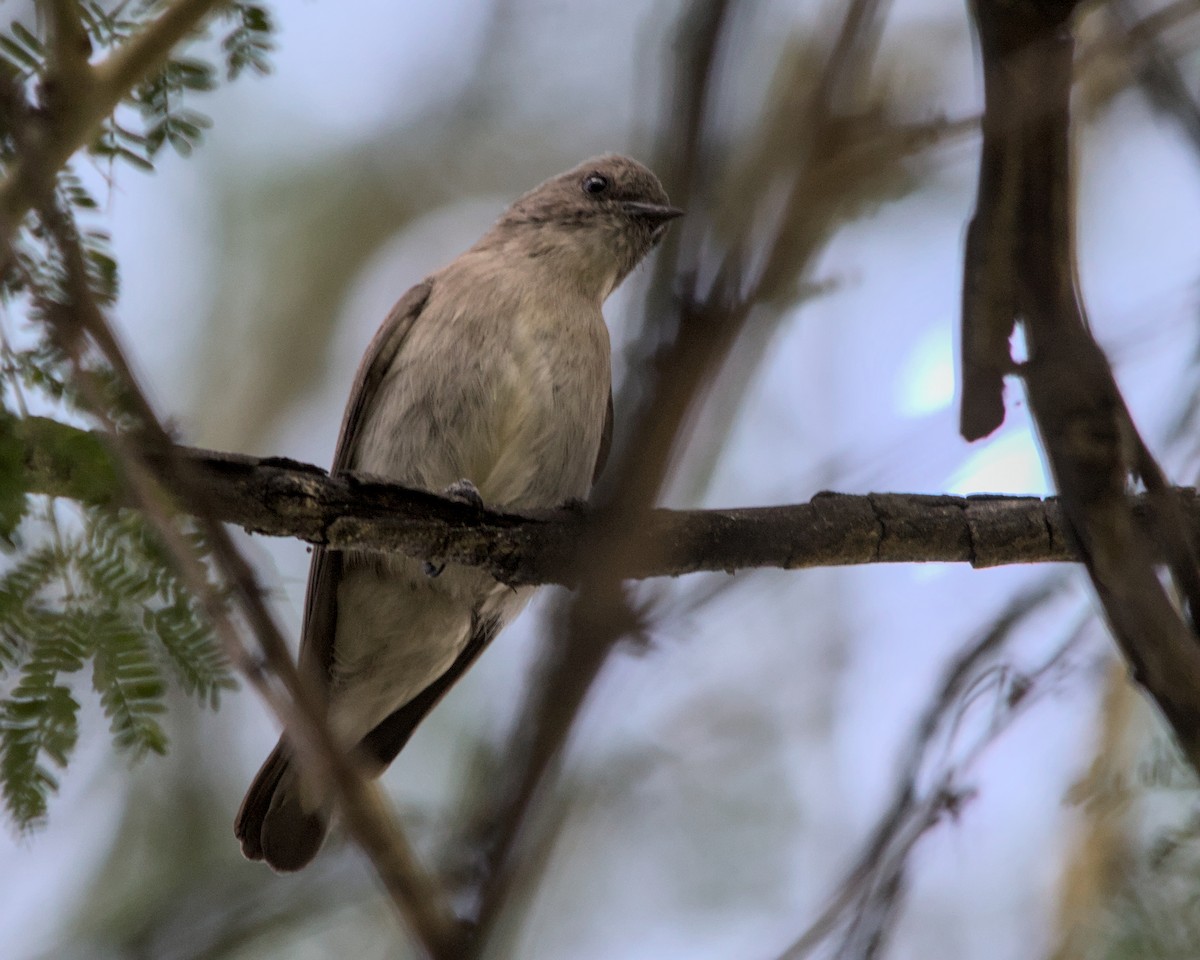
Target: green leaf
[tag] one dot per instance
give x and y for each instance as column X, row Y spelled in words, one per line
column 24, row 50
column 39, row 721
column 28, row 39
column 100, row 592
column 35, row 725
column 198, row 661
column 248, row 45
column 19, row 590
column 131, row 688
column 19, row 57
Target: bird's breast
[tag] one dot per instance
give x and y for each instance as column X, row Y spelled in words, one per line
column 508, row 390
column 551, row 405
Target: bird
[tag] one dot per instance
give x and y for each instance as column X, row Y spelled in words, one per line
column 489, row 381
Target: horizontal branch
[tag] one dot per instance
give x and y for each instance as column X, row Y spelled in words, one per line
column 284, row 498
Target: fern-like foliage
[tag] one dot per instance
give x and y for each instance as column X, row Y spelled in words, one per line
column 102, row 595
column 39, row 719
column 157, row 113
column 248, row 45
column 160, row 102
column 90, row 589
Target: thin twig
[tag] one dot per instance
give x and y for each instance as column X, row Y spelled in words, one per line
column 930, row 787
column 599, row 616
column 677, row 376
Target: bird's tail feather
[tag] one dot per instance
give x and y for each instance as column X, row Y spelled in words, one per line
column 272, row 824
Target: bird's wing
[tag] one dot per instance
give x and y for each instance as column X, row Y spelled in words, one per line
column 605, row 439
column 320, row 605
column 388, row 738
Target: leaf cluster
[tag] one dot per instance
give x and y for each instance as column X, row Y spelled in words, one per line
column 104, row 595
column 90, row 591
column 93, row 589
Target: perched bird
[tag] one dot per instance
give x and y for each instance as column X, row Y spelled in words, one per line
column 490, row 380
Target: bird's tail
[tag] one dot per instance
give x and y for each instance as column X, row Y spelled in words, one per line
column 272, row 823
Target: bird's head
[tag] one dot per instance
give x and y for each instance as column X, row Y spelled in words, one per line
column 597, row 220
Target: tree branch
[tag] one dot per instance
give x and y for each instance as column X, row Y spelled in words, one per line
column 69, row 44
column 284, row 498
column 156, row 474
column 1093, row 446
column 94, row 92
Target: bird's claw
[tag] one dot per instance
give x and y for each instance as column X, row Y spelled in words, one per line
column 433, row 570
column 464, row 491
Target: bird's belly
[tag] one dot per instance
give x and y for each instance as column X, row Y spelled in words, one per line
column 399, row 630
column 550, row 419
column 547, row 441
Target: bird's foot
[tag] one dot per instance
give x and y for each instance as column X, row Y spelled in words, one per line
column 433, row 570
column 464, row 491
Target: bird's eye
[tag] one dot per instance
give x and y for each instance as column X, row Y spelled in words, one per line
column 595, row 183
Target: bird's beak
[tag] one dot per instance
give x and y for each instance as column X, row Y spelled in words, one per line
column 653, row 212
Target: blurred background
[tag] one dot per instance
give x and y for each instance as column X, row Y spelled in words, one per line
column 728, row 775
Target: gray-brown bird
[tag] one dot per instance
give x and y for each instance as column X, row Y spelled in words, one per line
column 490, row 380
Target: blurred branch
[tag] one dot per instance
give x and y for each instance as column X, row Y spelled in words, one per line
column 707, row 320
column 1157, row 73
column 1096, row 864
column 1020, row 262
column 599, row 616
column 932, row 784
column 69, row 43
column 156, row 478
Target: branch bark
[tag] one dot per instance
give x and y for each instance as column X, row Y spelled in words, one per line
column 1025, row 267
column 285, row 498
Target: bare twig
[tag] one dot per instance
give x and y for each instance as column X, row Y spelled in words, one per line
column 932, row 783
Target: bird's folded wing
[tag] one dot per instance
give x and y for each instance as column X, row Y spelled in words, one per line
column 320, row 605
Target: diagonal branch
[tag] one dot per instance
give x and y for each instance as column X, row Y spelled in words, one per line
column 707, row 321
column 69, row 122
column 157, row 479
